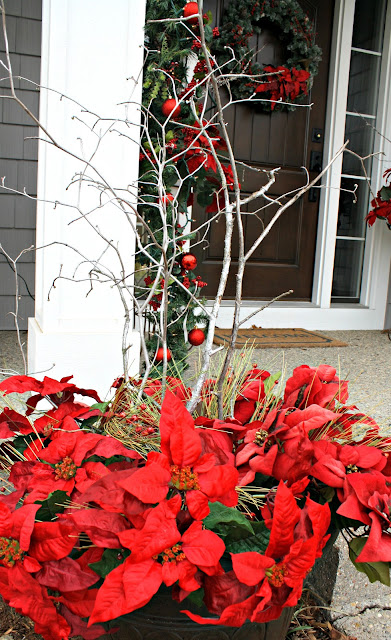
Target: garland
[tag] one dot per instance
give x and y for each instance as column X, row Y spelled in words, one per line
column 170, row 45
column 288, row 83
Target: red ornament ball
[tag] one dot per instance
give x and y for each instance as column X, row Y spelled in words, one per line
column 191, row 9
column 196, row 337
column 160, row 355
column 188, row 261
column 171, row 108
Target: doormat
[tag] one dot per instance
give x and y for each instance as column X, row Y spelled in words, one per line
column 259, row 338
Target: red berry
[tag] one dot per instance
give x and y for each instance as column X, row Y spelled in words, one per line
column 191, row 9
column 160, row 355
column 143, row 407
column 171, row 108
column 188, row 261
column 196, row 337
column 151, row 430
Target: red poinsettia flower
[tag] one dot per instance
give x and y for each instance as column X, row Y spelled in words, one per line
column 318, row 385
column 296, row 540
column 160, row 554
column 367, row 497
column 27, row 547
column 182, row 467
column 66, row 469
column 27, row 596
column 56, row 391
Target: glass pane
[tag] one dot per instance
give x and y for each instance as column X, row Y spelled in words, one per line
column 360, row 133
column 352, row 208
column 368, row 27
column 363, row 82
column 347, row 269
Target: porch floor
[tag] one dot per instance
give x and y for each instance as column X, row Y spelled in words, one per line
column 358, row 608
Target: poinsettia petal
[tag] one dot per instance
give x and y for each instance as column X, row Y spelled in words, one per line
column 378, row 546
column 126, row 588
column 81, row 602
column 250, row 566
column 197, row 504
column 102, row 527
column 31, row 599
column 179, row 440
column 218, row 481
column 286, row 515
column 79, row 627
column 202, row 547
column 52, row 541
column 158, row 533
column 149, row 484
column 65, row 575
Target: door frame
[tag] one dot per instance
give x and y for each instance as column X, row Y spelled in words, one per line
column 320, row 312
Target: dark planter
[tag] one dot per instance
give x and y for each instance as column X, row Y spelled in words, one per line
column 161, row 619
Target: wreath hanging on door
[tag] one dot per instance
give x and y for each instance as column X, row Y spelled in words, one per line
column 271, row 87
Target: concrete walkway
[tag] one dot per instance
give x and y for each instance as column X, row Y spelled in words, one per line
column 359, row 608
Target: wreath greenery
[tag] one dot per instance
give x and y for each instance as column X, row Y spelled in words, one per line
column 268, row 85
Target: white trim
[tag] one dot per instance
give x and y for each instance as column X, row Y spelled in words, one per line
column 374, row 287
column 334, row 139
column 356, row 114
column 305, row 315
column 94, row 55
column 369, row 51
column 349, row 238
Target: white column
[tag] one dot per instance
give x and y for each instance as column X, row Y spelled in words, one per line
column 92, row 52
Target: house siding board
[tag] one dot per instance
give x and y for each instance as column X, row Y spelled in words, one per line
column 18, row 159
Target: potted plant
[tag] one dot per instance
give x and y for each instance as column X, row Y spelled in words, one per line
column 126, row 509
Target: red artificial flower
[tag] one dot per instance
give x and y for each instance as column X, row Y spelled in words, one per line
column 182, row 467
column 56, row 391
column 310, row 385
column 66, row 469
column 159, row 554
column 296, row 540
column 27, row 547
column 367, row 497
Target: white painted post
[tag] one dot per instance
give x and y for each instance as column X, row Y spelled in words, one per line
column 92, row 51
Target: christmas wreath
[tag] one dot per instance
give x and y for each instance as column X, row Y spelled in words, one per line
column 272, row 87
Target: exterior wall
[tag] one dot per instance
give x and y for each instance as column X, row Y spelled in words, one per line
column 92, row 54
column 18, row 159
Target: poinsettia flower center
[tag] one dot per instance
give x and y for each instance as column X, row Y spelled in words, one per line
column 351, row 468
column 261, row 437
column 184, row 478
column 173, row 554
column 10, row 552
column 275, row 574
column 66, row 469
column 47, row 430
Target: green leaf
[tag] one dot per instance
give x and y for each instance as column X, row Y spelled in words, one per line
column 327, row 493
column 376, row 571
column 110, row 560
column 204, row 198
column 271, row 381
column 53, row 505
column 102, row 406
column 257, row 542
column 196, row 597
column 220, row 514
column 385, row 193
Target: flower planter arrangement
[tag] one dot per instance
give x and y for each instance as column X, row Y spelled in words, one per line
column 111, row 506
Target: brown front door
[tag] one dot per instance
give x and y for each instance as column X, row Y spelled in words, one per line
column 285, row 259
